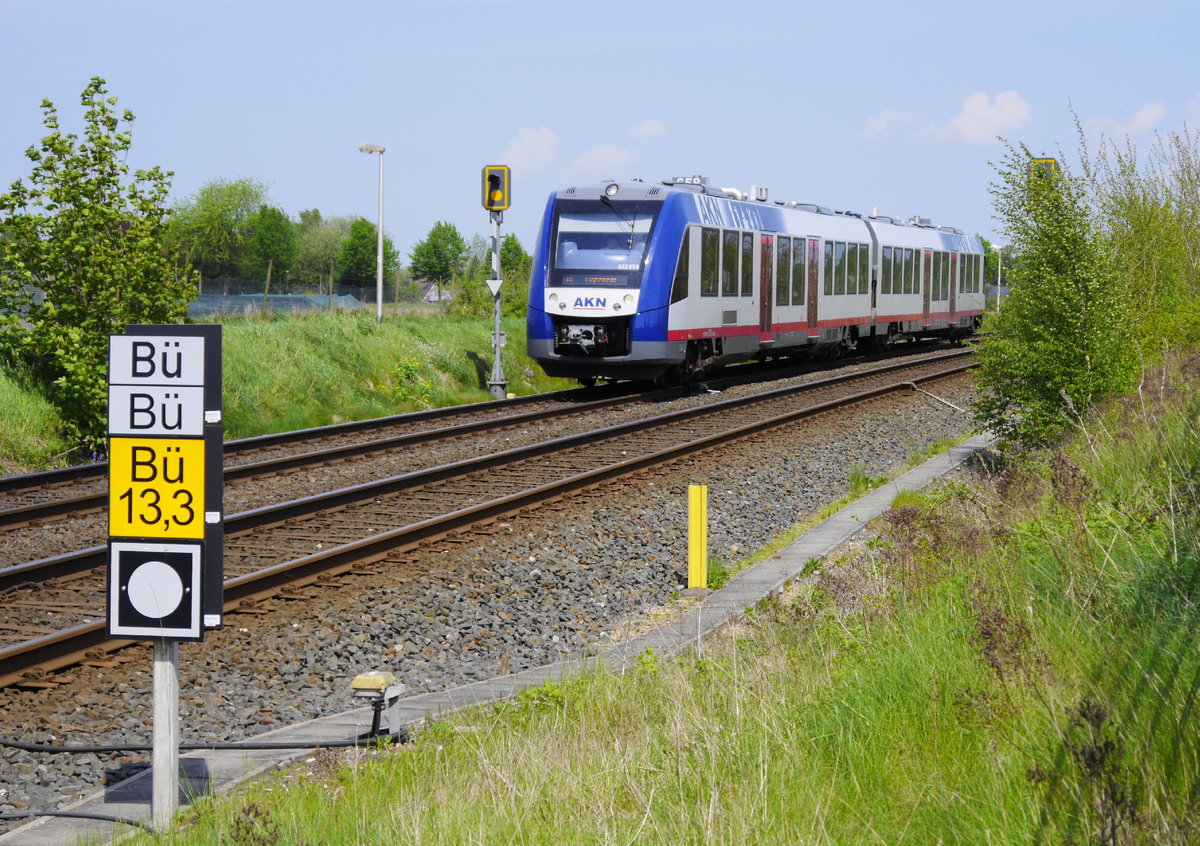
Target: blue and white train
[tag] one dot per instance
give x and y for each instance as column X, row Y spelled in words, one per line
column 633, row 280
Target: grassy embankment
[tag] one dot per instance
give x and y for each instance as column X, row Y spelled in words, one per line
column 297, row 372
column 1010, row 661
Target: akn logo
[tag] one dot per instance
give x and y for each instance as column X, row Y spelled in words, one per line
column 595, row 303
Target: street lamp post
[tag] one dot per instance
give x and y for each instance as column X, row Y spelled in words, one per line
column 999, row 264
column 375, row 148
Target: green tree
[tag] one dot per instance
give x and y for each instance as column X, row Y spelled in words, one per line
column 515, row 266
column 91, row 238
column 318, row 242
column 1150, row 202
column 441, row 257
column 211, row 230
column 1062, row 340
column 358, row 255
column 472, row 296
column 272, row 242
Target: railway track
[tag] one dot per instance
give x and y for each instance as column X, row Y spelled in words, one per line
column 284, row 547
column 38, row 498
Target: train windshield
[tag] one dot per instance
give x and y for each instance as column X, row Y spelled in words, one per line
column 601, row 243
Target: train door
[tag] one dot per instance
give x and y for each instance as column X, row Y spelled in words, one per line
column 814, row 268
column 766, row 286
column 953, row 285
column 926, row 269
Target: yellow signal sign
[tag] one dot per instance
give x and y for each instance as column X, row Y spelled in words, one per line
column 156, row 487
column 496, row 179
column 1042, row 167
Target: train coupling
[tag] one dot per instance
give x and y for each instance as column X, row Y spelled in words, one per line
column 583, row 336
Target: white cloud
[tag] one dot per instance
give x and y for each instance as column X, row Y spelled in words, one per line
column 982, row 119
column 647, row 129
column 1144, row 120
column 532, row 149
column 884, row 122
column 603, row 162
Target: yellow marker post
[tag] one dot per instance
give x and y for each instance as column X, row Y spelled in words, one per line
column 697, row 536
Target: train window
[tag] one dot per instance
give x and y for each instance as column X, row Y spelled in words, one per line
column 729, row 263
column 935, row 276
column 683, row 265
column 852, row 268
column 747, row 265
column 839, row 268
column 910, row 272
column 885, row 273
column 798, row 271
column 601, row 245
column 864, row 268
column 828, row 268
column 710, row 249
column 783, row 263
column 944, row 276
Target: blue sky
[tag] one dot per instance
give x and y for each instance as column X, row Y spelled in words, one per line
column 868, row 105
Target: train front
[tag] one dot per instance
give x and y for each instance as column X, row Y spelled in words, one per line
column 600, row 285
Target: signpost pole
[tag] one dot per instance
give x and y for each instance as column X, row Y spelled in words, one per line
column 165, row 515
column 165, row 758
column 497, row 384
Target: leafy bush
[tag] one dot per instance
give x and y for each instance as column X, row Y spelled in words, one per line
column 1062, row 341
column 92, row 242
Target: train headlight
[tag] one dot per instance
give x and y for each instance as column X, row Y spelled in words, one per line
column 562, row 306
column 612, row 189
column 628, row 299
column 616, row 306
column 554, row 298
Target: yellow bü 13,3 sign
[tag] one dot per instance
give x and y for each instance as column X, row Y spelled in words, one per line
column 156, row 487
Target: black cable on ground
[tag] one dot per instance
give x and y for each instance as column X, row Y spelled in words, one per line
column 79, row 815
column 399, row 737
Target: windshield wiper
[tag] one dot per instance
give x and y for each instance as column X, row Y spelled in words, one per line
column 604, row 199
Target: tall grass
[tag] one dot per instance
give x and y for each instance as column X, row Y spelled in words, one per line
column 1012, row 663
column 31, row 432
column 297, row 372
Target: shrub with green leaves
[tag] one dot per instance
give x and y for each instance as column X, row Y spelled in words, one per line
column 91, row 240
column 1063, row 339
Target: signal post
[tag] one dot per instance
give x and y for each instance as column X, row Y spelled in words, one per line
column 165, row 512
column 496, row 188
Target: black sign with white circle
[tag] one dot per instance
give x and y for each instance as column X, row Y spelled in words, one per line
column 154, row 590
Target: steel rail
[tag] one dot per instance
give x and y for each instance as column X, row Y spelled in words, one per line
column 69, row 646
column 72, row 563
column 43, row 478
column 618, row 390
column 22, row 515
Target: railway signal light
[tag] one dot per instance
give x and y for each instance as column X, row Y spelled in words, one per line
column 1042, row 168
column 496, row 182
